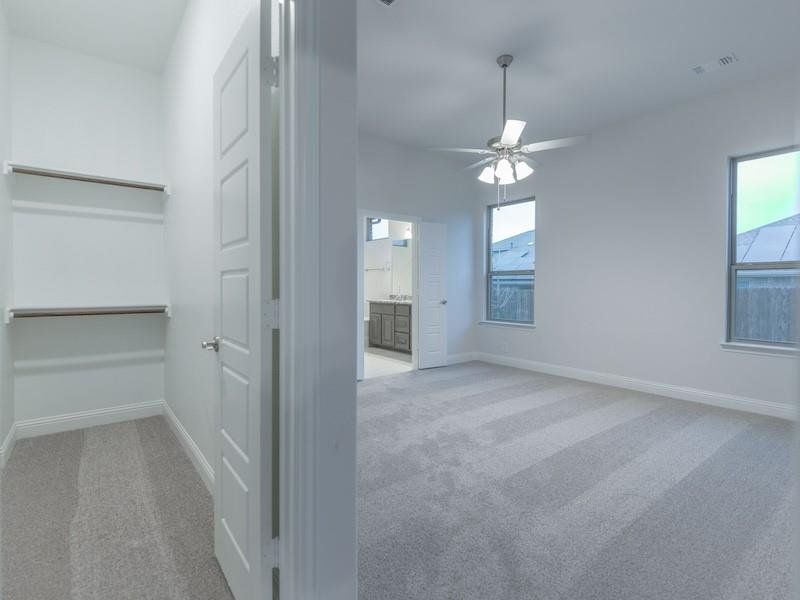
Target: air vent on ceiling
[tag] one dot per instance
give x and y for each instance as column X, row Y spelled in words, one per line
column 387, row 2
column 713, row 65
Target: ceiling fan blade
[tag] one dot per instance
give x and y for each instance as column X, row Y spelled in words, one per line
column 512, row 132
column 465, row 150
column 553, row 144
column 480, row 163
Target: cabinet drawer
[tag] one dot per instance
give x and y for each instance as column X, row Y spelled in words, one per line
column 381, row 308
column 402, row 324
column 401, row 341
column 403, row 310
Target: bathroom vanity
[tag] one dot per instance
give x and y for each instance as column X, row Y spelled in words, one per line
column 390, row 324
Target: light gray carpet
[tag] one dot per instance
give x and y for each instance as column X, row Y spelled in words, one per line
column 485, row 482
column 108, row 513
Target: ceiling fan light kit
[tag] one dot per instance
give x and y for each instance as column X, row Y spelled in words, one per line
column 523, row 170
column 506, row 163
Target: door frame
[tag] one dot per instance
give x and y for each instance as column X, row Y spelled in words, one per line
column 361, row 225
column 317, row 545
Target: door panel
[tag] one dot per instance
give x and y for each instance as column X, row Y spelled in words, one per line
column 375, row 329
column 387, row 330
column 242, row 466
column 432, row 342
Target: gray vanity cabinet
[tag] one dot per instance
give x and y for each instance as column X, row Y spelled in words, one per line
column 390, row 325
column 375, row 326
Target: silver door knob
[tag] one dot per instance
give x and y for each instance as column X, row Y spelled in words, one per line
column 211, row 344
column 444, row 301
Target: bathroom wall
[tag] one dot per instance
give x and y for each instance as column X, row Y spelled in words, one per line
column 388, row 268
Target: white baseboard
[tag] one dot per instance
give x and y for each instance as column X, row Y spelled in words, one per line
column 751, row 405
column 106, row 416
column 87, row 418
column 8, row 445
column 454, row 359
column 203, row 467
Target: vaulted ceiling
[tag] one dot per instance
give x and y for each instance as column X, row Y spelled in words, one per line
column 428, row 77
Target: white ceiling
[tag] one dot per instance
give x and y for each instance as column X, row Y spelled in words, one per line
column 134, row 32
column 428, row 77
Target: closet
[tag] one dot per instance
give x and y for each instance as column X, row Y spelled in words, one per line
column 88, row 301
column 135, row 142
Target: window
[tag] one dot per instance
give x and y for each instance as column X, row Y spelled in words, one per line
column 511, row 262
column 764, row 277
column 377, row 229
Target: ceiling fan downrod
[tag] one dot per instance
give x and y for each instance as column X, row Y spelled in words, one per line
column 505, row 60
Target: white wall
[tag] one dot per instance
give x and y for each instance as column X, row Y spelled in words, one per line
column 81, row 244
column 631, row 248
column 6, row 380
column 406, row 181
column 82, row 113
column 335, row 548
column 203, row 37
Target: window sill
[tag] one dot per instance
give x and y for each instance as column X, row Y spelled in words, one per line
column 505, row 324
column 763, row 349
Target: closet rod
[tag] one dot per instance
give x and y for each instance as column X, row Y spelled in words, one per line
column 12, row 167
column 28, row 313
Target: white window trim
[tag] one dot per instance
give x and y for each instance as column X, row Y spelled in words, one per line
column 487, row 235
column 761, row 349
column 506, row 324
column 729, row 341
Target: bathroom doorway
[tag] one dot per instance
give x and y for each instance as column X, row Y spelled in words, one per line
column 387, row 284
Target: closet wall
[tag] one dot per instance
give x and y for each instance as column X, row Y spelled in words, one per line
column 6, row 381
column 206, row 31
column 85, row 244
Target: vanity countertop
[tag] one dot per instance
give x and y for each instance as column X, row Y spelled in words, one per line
column 390, row 301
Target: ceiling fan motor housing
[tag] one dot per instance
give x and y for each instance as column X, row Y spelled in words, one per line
column 504, row 60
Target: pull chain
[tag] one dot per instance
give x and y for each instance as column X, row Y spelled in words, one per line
column 505, row 195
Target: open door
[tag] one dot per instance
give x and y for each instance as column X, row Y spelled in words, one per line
column 242, row 194
column 432, row 349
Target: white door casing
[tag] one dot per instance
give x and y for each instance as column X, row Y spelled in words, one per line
column 242, row 194
column 432, row 295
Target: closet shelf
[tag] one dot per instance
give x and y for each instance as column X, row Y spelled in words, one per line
column 84, row 311
column 11, row 167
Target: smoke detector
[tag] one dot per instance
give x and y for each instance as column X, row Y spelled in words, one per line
column 722, row 61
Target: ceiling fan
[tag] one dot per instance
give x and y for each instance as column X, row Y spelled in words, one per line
column 507, row 160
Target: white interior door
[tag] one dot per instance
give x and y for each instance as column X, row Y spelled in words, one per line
column 432, row 348
column 242, row 192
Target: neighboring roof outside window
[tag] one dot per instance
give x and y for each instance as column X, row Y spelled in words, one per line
column 517, row 253
column 774, row 242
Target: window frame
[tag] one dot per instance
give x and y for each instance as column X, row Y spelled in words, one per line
column 370, row 237
column 490, row 273
column 733, row 267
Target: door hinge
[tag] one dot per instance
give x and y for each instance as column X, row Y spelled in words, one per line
column 276, row 553
column 272, row 314
column 273, row 71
